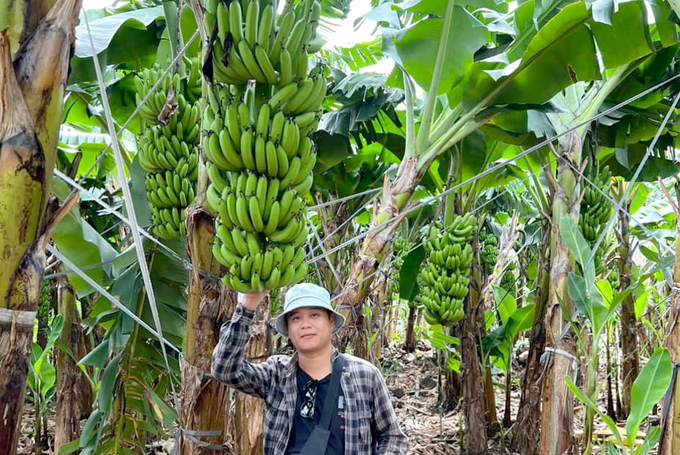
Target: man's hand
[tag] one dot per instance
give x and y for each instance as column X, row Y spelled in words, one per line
column 253, row 299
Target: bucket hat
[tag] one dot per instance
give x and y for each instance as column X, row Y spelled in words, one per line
column 305, row 295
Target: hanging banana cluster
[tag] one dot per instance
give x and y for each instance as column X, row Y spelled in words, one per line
column 488, row 255
column 256, row 139
column 613, row 278
column 169, row 152
column 401, row 248
column 252, row 43
column 488, row 251
column 595, row 210
column 445, row 275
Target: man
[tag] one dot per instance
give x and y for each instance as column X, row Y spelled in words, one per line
column 362, row 419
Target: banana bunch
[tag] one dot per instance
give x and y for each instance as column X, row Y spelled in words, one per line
column 252, row 43
column 189, row 88
column 256, row 138
column 260, row 163
column 401, row 248
column 488, row 251
column 613, row 278
column 509, row 281
column 595, row 210
column 445, row 275
column 169, row 153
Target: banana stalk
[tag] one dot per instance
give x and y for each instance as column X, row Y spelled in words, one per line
column 12, row 19
column 209, row 305
column 670, row 439
column 22, row 173
column 31, row 102
column 556, row 437
column 67, row 421
column 41, row 67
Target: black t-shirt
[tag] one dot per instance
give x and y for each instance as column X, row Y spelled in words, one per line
column 303, row 427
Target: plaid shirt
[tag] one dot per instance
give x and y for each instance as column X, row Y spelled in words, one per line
column 369, row 413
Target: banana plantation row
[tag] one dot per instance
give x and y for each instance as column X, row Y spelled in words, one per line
column 504, row 194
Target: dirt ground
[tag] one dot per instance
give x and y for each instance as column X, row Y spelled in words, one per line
column 413, row 383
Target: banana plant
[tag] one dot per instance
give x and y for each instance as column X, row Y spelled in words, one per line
column 588, row 296
column 500, row 343
column 41, row 381
column 34, row 58
column 648, row 389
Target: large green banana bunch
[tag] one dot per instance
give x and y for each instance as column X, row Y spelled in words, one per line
column 445, row 275
column 595, row 210
column 256, row 139
column 169, row 153
column 252, row 43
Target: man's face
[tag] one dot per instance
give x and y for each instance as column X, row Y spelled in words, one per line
column 310, row 329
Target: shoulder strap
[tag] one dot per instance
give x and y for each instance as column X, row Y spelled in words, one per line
column 331, row 402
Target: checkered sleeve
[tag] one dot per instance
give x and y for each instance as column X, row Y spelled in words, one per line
column 228, row 363
column 389, row 437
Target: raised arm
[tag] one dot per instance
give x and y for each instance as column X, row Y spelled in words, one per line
column 228, row 363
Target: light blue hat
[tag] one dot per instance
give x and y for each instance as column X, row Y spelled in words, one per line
column 305, row 295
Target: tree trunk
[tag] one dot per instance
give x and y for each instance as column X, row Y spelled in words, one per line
column 507, row 412
column 526, row 434
column 630, row 366
column 249, row 410
column 452, row 387
column 670, row 443
column 205, row 401
column 67, row 420
column 31, row 103
column 381, row 312
column 331, row 218
column 557, row 414
column 393, row 316
column 611, row 411
column 48, row 291
column 490, row 396
column 410, row 342
column 617, row 388
column 472, row 380
column 84, row 395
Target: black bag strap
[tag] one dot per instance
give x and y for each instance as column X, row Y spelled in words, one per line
column 333, row 391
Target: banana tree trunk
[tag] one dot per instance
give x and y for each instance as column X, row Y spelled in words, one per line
column 525, row 435
column 381, row 312
column 671, row 438
column 331, row 218
column 557, row 414
column 205, row 402
column 376, row 247
column 249, row 410
column 471, row 377
column 630, row 367
column 410, row 342
column 67, row 420
column 31, row 103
